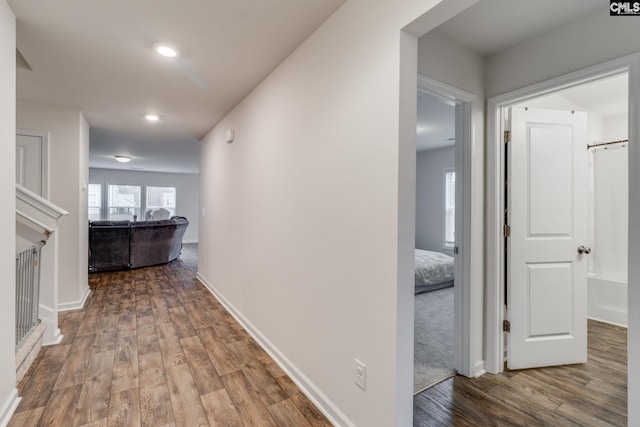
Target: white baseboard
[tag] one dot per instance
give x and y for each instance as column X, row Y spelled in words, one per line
column 322, row 402
column 49, row 317
column 479, row 369
column 75, row 305
column 54, row 339
column 190, row 241
column 9, row 407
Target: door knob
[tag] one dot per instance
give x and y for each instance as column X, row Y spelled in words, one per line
column 584, row 250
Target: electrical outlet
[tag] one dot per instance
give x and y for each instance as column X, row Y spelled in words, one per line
column 361, row 375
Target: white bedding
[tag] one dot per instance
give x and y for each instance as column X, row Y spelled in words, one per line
column 433, row 268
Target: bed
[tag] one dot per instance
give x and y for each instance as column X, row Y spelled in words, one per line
column 433, row 270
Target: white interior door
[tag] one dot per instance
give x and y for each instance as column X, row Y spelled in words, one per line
column 31, row 161
column 547, row 216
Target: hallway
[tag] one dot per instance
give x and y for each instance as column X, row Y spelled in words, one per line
column 153, row 347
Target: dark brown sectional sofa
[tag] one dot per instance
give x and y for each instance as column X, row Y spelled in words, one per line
column 121, row 245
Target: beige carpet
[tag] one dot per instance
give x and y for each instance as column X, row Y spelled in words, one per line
column 433, row 338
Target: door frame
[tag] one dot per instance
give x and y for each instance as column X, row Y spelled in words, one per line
column 44, row 137
column 495, row 209
column 464, row 363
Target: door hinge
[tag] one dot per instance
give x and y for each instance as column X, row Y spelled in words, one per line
column 506, row 326
column 507, row 136
column 507, row 231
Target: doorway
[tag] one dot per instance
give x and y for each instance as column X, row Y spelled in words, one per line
column 497, row 268
column 32, row 161
column 435, row 241
column 445, row 233
column 567, row 213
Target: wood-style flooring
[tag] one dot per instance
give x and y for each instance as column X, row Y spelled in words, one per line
column 153, row 348
column 591, row 394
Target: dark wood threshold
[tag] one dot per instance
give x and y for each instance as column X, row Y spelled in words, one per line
column 590, row 394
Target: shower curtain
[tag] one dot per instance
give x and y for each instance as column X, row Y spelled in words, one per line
column 609, row 207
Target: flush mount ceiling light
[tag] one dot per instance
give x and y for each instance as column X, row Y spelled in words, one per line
column 152, row 117
column 165, row 49
column 123, row 159
column 422, row 129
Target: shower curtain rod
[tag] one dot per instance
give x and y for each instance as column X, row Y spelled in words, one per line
column 600, row 144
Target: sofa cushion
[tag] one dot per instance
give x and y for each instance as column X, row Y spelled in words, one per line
column 150, row 244
column 108, row 245
column 118, row 245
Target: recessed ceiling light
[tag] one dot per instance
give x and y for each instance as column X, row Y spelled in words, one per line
column 165, row 49
column 123, row 159
column 152, row 117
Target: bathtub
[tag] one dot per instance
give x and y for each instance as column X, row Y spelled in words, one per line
column 607, row 300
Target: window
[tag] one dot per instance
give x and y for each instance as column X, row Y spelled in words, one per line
column 95, row 201
column 449, row 208
column 123, row 202
column 161, row 197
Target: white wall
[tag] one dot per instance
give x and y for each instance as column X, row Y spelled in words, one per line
column 448, row 62
column 310, row 212
column 83, row 211
column 7, row 215
column 68, row 173
column 587, row 41
column 187, row 188
column 554, row 101
column 616, row 128
column 430, row 167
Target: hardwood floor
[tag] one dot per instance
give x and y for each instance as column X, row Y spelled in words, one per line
column 591, row 394
column 153, row 348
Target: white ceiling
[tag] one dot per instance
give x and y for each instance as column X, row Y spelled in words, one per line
column 491, row 26
column 606, row 97
column 147, row 154
column 96, row 56
column 435, row 122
